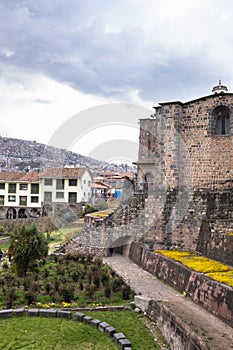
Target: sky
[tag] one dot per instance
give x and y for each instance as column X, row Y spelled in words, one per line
column 61, row 58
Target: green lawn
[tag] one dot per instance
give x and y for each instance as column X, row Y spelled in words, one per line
column 56, row 237
column 50, row 334
column 62, row 235
column 129, row 323
column 39, row 333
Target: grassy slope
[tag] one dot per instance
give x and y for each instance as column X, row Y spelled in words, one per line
column 48, row 333
column 129, row 323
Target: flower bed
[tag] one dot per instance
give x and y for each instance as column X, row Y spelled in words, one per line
column 213, row 269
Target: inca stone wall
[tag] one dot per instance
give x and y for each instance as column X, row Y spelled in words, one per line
column 186, row 151
column 174, row 330
column 213, row 296
column 181, row 147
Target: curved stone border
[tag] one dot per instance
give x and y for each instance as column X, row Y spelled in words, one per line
column 122, row 342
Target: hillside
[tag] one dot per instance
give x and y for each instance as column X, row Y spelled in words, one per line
column 22, row 155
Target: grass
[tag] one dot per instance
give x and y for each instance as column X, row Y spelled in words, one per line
column 55, row 238
column 129, row 323
column 5, row 246
column 51, row 334
column 62, row 235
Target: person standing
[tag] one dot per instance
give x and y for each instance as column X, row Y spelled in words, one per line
column 1, row 254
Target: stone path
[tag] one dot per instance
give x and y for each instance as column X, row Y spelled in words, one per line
column 220, row 335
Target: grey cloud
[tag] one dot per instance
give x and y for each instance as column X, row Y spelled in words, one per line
column 69, row 42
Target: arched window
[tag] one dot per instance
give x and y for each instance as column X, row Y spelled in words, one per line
column 222, row 120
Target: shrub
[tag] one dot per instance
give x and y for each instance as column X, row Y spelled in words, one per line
column 30, row 297
column 10, row 297
column 116, row 284
column 89, row 290
column 126, row 293
column 104, row 277
column 107, row 290
column 67, row 293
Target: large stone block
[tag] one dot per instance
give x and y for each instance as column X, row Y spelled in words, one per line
column 64, row 314
column 78, row 316
column 87, row 319
column 48, row 312
column 110, row 331
column 6, row 313
column 141, row 302
column 123, row 343
column 95, row 323
column 103, row 326
column 118, row 336
column 33, row 312
column 19, row 312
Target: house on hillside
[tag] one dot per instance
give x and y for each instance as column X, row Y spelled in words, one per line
column 31, row 194
column 20, row 195
column 65, row 185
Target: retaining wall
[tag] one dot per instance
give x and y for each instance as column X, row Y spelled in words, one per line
column 175, row 331
column 212, row 296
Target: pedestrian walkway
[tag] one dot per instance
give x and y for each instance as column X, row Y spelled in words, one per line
column 143, row 283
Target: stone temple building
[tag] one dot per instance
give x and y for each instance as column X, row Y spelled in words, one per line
column 188, row 144
column 183, row 198
column 185, row 164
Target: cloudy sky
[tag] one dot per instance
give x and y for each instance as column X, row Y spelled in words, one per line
column 59, row 58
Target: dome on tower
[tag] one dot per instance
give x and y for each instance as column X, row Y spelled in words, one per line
column 219, row 88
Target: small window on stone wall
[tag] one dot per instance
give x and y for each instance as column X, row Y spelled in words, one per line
column 222, row 120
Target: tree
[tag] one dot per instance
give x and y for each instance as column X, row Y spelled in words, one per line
column 28, row 245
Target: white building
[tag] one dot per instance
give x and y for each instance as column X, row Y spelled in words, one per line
column 25, row 194
column 20, row 194
column 65, row 185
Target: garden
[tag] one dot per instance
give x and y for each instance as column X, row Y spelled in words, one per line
column 64, row 281
column 34, row 279
column 212, row 269
column 57, row 333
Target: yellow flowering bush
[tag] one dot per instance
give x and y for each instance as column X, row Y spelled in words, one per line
column 222, row 277
column 101, row 214
column 45, row 306
column 230, row 234
column 174, row 254
column 213, row 269
column 65, row 304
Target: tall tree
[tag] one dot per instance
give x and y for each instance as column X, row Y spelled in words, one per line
column 28, row 245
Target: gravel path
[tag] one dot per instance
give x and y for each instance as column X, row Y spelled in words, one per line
column 220, row 335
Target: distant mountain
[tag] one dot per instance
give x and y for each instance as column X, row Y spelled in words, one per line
column 22, row 155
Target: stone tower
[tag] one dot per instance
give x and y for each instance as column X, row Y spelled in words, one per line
column 188, row 143
column 185, row 165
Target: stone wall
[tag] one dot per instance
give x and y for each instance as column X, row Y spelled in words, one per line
column 174, row 330
column 43, row 224
column 216, row 242
column 201, row 221
column 214, row 297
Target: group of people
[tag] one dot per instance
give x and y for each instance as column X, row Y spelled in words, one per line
column 4, row 254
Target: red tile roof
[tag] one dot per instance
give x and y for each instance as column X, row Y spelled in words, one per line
column 100, row 185
column 17, row 176
column 63, row 173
